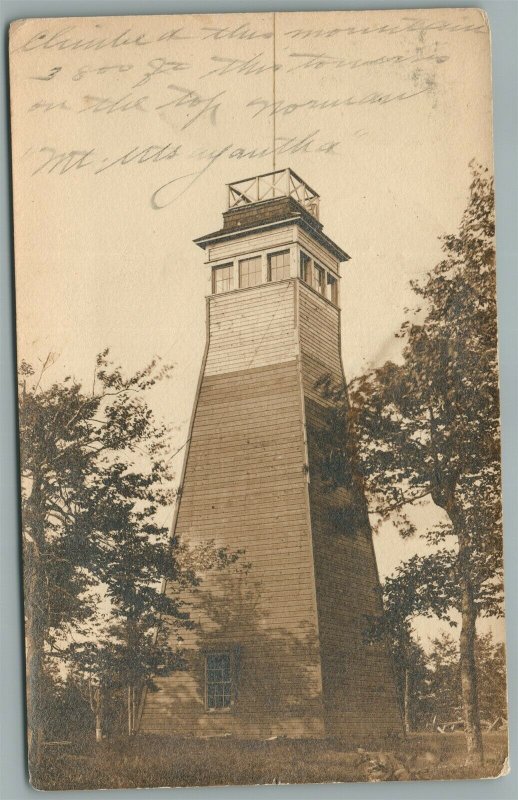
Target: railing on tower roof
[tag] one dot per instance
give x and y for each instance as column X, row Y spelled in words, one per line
column 280, row 183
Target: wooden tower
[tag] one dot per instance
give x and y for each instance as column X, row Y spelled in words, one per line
column 279, row 644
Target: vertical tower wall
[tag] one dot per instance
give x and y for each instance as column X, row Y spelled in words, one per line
column 245, row 487
column 358, row 680
column 291, row 613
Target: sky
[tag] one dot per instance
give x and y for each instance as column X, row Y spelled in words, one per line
column 127, row 130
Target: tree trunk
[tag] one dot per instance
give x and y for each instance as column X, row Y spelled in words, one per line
column 134, row 705
column 33, row 654
column 468, row 673
column 97, row 706
column 99, row 714
column 98, row 726
column 33, row 533
column 407, row 699
column 131, row 644
column 468, row 669
column 130, row 711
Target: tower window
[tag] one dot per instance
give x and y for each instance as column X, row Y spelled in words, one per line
column 333, row 286
column 317, row 278
column 305, row 268
column 218, row 679
column 222, row 279
column 279, row 266
column 250, row 272
column 312, row 273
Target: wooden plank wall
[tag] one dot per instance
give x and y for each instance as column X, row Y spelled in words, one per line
column 293, row 607
column 358, row 680
column 253, row 242
column 245, row 488
column 251, row 328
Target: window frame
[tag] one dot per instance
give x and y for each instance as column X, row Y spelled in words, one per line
column 309, row 269
column 259, row 272
column 231, row 682
column 229, row 265
column 318, row 278
column 269, row 264
column 305, row 264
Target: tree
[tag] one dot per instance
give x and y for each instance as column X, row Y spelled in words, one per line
column 92, row 463
column 491, row 667
column 445, row 684
column 404, row 599
column 445, row 678
column 428, row 427
column 411, row 673
column 134, row 646
column 95, row 475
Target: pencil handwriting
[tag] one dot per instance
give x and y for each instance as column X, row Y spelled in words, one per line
column 255, row 65
column 161, row 66
column 238, row 32
column 407, row 25
column 323, row 60
column 190, row 99
column 285, row 107
column 68, row 38
column 54, row 161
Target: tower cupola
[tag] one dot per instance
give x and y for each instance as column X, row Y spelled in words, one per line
column 271, row 231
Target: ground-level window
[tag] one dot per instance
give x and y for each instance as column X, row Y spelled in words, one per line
column 218, row 677
column 279, row 266
column 333, row 286
column 250, row 272
column 222, row 278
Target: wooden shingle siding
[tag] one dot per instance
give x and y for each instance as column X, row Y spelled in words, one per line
column 319, row 332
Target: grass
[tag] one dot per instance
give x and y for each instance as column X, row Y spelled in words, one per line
column 153, row 761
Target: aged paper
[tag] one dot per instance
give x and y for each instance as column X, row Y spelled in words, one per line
column 260, row 456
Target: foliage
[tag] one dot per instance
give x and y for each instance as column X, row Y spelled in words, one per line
column 95, row 477
column 493, row 679
column 445, row 683
column 428, row 427
column 445, row 679
column 79, row 486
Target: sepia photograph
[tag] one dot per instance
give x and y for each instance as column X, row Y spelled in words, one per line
column 259, row 417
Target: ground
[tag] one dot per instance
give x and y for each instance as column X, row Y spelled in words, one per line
column 167, row 761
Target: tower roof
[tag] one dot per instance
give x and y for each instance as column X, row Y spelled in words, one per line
column 271, row 200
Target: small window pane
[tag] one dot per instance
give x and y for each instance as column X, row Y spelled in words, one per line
column 279, row 266
column 312, row 273
column 250, row 272
column 222, row 279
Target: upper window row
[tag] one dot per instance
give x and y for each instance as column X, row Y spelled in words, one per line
column 315, row 275
column 250, row 273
